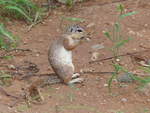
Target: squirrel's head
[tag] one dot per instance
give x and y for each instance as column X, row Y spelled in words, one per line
column 74, row 37
column 77, row 33
column 75, row 29
column 77, row 37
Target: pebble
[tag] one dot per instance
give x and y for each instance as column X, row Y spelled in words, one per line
column 148, row 100
column 139, row 34
column 90, row 25
column 64, row 1
column 146, row 89
column 132, row 32
column 146, row 25
column 11, row 66
column 118, row 60
column 24, row 43
column 125, row 78
column 148, row 61
column 85, row 94
column 124, row 100
column 105, row 85
column 95, row 56
column 37, row 55
column 97, row 46
column 57, row 88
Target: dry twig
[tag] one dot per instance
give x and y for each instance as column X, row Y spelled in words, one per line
column 126, row 54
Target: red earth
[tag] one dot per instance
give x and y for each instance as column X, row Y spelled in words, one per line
column 93, row 96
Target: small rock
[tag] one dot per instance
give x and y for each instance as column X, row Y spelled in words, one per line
column 118, row 60
column 95, row 56
column 146, row 25
column 65, row 1
column 57, row 88
column 37, row 55
column 24, row 43
column 148, row 61
column 139, row 34
column 125, row 78
column 57, row 30
column 11, row 67
column 90, row 25
column 105, row 85
column 132, row 32
column 124, row 100
column 97, row 47
column 85, row 94
column 146, row 89
column 148, row 100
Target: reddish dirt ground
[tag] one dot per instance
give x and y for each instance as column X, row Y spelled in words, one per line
column 93, row 96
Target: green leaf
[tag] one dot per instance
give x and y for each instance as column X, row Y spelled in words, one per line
column 3, row 45
column 117, row 67
column 110, row 81
column 107, row 34
column 8, row 57
column 6, row 33
column 5, row 76
column 19, row 11
column 120, row 8
column 7, row 39
column 121, row 43
column 142, row 80
column 69, row 2
column 145, row 69
column 117, row 27
column 128, row 14
column 74, row 19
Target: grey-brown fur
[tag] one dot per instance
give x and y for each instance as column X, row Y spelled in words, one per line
column 60, row 55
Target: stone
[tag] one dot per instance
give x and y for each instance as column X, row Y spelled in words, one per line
column 125, row 78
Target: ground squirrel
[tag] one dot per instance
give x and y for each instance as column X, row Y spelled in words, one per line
column 60, row 59
column 60, row 54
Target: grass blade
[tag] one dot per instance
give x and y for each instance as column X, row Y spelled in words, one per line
column 107, row 34
column 145, row 69
column 74, row 19
column 6, row 33
column 121, row 43
column 19, row 11
column 128, row 14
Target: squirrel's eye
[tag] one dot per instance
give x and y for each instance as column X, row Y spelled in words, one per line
column 79, row 30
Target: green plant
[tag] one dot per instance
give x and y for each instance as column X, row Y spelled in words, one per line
column 115, row 35
column 78, row 107
column 21, row 9
column 7, row 39
column 142, row 80
column 72, row 20
column 5, row 79
column 117, row 69
column 118, row 40
column 22, row 108
column 70, row 3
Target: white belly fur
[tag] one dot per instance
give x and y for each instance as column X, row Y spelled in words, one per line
column 63, row 56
